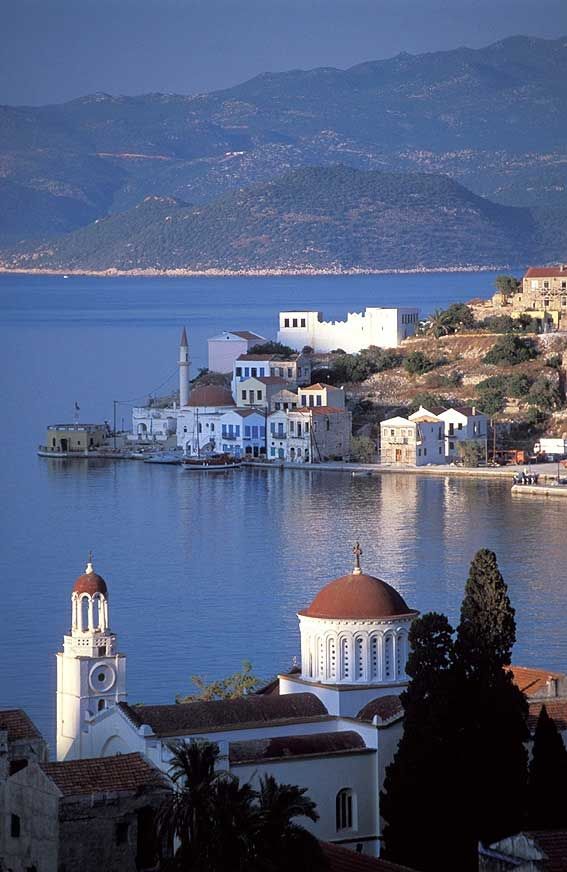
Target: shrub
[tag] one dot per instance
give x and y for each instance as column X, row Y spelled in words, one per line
column 358, row 367
column 555, row 361
column 417, row 363
column 427, row 400
column 272, row 348
column 511, row 349
column 544, row 395
column 507, row 284
column 446, row 321
column 363, row 449
column 471, row 453
column 491, row 401
column 498, row 324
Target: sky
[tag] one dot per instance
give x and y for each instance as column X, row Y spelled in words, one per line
column 55, row 50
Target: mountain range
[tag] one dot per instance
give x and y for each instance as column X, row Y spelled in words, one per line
column 493, row 119
column 311, row 219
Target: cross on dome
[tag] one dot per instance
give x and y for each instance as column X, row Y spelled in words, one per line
column 357, row 551
column 89, row 568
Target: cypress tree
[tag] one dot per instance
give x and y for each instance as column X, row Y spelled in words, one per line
column 547, row 775
column 425, row 828
column 493, row 709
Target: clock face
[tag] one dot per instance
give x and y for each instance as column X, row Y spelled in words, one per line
column 102, row 677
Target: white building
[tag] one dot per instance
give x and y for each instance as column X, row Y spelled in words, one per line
column 243, row 433
column 294, row 370
column 228, row 345
column 332, row 726
column 199, row 425
column 258, row 390
column 463, row 424
column 385, row 328
column 321, row 395
column 415, row 441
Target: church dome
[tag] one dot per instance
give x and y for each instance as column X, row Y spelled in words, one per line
column 90, row 582
column 211, row 395
column 359, row 597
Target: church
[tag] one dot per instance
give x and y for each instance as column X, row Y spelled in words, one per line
column 331, row 725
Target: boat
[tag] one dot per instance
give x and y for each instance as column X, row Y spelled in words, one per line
column 213, row 463
column 171, row 457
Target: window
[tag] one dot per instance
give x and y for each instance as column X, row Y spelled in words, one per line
column 259, row 394
column 294, row 322
column 345, row 665
column 292, row 426
column 303, row 400
column 459, row 426
column 546, row 304
column 101, row 705
column 388, row 657
column 311, row 400
column 272, row 452
column 273, row 428
column 254, row 371
column 278, row 406
column 451, row 429
column 359, row 657
column 247, row 371
column 255, row 432
column 212, row 428
column 262, row 432
column 243, row 395
column 440, row 450
column 238, row 370
column 200, row 427
column 286, row 322
column 237, row 430
column 289, row 372
column 306, row 430
column 303, row 322
column 15, row 826
column 262, row 370
column 319, row 400
column 246, row 431
column 327, row 423
column 452, row 446
column 299, row 428
column 374, row 657
column 344, row 809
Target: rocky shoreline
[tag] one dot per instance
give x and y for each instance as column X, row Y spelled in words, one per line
column 252, row 273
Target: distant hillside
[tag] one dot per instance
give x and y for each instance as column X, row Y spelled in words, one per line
column 313, row 218
column 494, row 119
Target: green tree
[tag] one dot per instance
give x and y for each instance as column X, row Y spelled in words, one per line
column 490, row 400
column 417, row 363
column 471, row 453
column 282, row 843
column 511, row 349
column 235, row 685
column 422, row 786
column 363, row 449
column 507, row 285
column 492, row 708
column 272, row 347
column 220, row 825
column 544, row 394
column 547, row 775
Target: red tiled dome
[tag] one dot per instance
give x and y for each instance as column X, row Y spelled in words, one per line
column 211, row 395
column 90, row 583
column 358, row 596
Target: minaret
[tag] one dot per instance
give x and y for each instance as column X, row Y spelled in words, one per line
column 91, row 675
column 183, row 370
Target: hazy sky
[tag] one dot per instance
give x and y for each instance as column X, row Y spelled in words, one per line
column 54, row 50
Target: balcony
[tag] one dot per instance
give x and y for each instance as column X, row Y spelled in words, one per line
column 397, row 440
column 278, row 435
column 229, row 437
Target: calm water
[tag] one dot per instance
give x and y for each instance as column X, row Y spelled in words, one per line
column 204, row 573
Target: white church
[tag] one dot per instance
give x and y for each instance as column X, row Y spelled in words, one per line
column 331, row 725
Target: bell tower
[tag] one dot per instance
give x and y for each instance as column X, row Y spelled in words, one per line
column 91, row 675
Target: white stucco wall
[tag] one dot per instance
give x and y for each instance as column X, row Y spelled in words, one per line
column 383, row 327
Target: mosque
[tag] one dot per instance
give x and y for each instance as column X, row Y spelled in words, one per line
column 331, row 725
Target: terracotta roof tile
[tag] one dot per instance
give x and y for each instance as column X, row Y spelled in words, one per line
column 18, row 724
column 181, row 719
column 104, row 774
column 386, row 707
column 255, row 357
column 313, row 745
column 556, row 709
column 532, row 681
column 543, row 272
column 271, row 380
column 210, row 395
column 344, row 860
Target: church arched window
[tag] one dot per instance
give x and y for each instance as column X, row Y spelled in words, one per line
column 97, row 605
column 344, row 809
column 321, row 647
column 331, row 658
column 374, row 673
column 388, row 654
column 359, row 657
column 400, row 654
column 345, row 660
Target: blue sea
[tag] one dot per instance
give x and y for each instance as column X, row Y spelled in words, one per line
column 204, row 573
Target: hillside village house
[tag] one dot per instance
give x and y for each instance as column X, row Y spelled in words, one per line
column 385, row 328
column 258, row 390
column 228, row 345
column 544, row 295
column 463, row 424
column 284, row 399
column 294, row 371
column 80, row 438
column 243, row 433
column 321, row 395
column 415, row 441
column 318, row 433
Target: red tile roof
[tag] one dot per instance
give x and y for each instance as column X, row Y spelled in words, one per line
column 185, row 718
column 319, row 410
column 278, row 747
column 386, row 707
column 319, row 387
column 130, row 772
column 344, row 860
column 18, row 724
column 543, row 272
column 532, row 681
column 210, row 395
column 271, row 379
column 556, row 709
column 255, row 357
